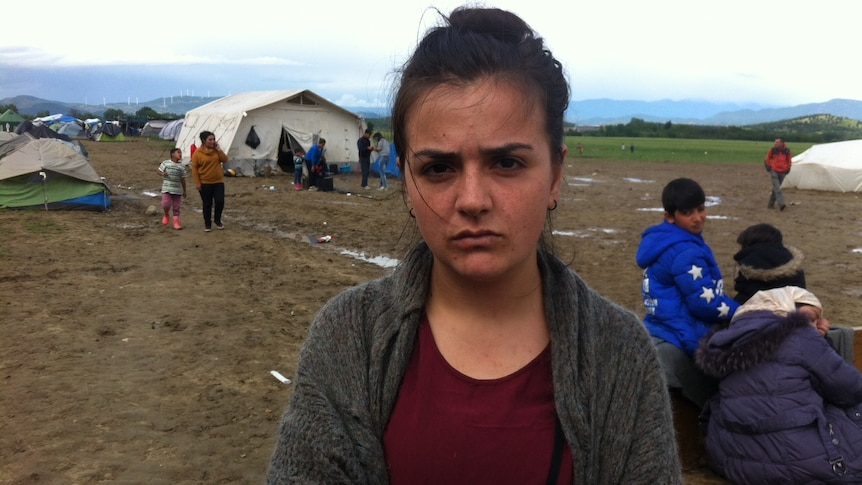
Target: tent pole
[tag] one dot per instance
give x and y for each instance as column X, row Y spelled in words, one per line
column 44, row 190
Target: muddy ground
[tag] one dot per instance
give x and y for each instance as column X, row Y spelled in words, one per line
column 134, row 353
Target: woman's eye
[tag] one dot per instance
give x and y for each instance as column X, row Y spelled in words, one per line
column 436, row 168
column 509, row 163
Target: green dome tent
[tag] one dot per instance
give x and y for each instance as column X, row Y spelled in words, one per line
column 11, row 119
column 49, row 173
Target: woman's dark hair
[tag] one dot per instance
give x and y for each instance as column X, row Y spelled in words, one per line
column 759, row 233
column 204, row 135
column 682, row 194
column 475, row 43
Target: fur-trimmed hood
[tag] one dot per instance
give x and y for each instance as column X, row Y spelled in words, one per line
column 751, row 339
column 764, row 266
column 766, row 262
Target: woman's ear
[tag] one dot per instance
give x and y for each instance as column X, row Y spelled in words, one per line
column 557, row 176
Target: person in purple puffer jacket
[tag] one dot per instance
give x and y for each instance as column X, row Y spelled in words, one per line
column 789, row 408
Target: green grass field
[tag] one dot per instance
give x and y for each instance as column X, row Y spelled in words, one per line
column 675, row 149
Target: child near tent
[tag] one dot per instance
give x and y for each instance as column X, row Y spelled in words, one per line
column 298, row 159
column 173, row 187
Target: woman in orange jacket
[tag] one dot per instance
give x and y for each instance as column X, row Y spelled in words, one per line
column 209, row 178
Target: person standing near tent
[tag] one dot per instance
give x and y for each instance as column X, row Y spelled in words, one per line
column 316, row 163
column 363, row 144
column 173, row 187
column 298, row 162
column 382, row 150
column 209, row 179
column 778, row 161
column 482, row 358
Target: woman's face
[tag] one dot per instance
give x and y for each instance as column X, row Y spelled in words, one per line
column 479, row 178
column 210, row 141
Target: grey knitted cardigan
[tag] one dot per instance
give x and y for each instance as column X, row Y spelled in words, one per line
column 609, row 389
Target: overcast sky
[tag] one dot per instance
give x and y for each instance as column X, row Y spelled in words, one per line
column 764, row 51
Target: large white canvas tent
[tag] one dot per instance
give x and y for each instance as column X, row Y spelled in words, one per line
column 256, row 129
column 834, row 167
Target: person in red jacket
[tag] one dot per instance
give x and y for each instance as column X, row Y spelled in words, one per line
column 778, row 161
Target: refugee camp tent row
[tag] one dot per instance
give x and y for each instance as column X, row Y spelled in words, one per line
column 835, row 167
column 257, row 129
column 50, row 174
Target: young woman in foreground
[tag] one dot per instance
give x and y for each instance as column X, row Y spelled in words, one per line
column 482, row 358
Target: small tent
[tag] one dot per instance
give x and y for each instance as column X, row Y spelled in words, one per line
column 58, row 118
column 153, row 128
column 109, row 132
column 171, row 131
column 9, row 120
column 72, row 129
column 39, row 131
column 49, row 173
column 257, row 128
column 833, row 167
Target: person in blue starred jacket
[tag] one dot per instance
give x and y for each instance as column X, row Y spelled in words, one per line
column 682, row 288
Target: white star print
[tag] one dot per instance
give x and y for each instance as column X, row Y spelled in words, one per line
column 723, row 310
column 696, row 272
column 707, row 294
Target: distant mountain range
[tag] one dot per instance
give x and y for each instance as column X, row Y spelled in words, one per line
column 585, row 112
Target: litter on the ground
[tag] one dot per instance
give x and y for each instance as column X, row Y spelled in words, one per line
column 277, row 375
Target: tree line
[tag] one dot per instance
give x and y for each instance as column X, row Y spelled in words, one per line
column 810, row 129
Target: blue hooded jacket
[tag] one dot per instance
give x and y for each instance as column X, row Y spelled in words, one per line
column 682, row 286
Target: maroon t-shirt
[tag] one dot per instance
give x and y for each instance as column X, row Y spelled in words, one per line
column 450, row 428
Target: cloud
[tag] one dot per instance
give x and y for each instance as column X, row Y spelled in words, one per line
column 743, row 51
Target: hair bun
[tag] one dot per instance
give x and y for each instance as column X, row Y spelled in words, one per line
column 499, row 23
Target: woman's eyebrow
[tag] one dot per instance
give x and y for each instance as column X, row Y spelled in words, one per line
column 435, row 154
column 506, row 149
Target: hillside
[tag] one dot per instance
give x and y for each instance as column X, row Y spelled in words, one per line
column 30, row 105
column 827, row 126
